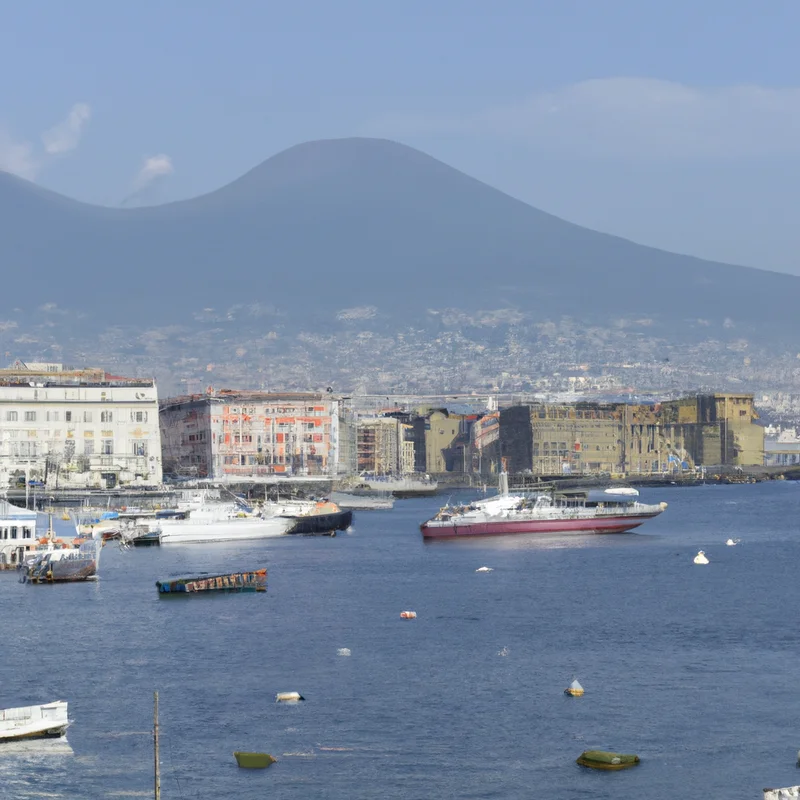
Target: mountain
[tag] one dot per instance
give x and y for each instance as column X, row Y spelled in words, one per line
column 366, row 263
column 334, row 224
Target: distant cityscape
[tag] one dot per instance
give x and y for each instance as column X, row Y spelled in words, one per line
column 81, row 429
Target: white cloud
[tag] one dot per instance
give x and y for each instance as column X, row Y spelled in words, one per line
column 21, row 157
column 65, row 136
column 152, row 168
column 17, row 157
column 630, row 117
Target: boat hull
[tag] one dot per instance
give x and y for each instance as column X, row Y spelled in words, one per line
column 50, row 733
column 74, row 566
column 608, row 524
column 323, row 523
column 34, row 722
column 234, row 582
column 191, row 532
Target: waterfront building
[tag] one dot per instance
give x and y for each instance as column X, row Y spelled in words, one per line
column 620, row 438
column 442, row 438
column 782, row 449
column 725, row 428
column 17, row 533
column 555, row 439
column 77, row 428
column 385, row 445
column 379, row 443
column 229, row 435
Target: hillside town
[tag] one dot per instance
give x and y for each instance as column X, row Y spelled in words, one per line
column 87, row 429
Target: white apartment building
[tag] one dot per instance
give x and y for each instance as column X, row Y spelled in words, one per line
column 74, row 429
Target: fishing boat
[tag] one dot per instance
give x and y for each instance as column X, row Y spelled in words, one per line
column 220, row 522
column 591, row 511
column 33, row 722
column 255, row 581
column 65, row 565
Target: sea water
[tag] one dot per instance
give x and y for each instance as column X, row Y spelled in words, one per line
column 694, row 668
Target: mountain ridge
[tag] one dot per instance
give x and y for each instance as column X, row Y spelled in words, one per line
column 285, row 155
column 337, row 223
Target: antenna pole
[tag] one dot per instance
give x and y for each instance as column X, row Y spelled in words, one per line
column 157, row 770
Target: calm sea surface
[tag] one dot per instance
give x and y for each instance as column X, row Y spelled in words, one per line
column 693, row 668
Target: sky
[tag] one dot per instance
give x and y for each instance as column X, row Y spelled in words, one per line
column 675, row 124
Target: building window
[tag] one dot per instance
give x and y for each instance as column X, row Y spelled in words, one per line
column 52, row 416
column 11, row 416
column 27, row 533
column 14, row 532
column 87, row 416
column 30, row 416
column 138, row 416
column 139, row 447
column 107, row 447
column 88, row 447
column 68, row 416
column 106, row 416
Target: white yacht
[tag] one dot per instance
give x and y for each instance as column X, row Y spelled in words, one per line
column 220, row 522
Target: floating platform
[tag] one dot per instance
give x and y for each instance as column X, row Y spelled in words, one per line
column 255, row 581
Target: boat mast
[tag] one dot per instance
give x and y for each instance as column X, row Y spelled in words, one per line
column 157, row 770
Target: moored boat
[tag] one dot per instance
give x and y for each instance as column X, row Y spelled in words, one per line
column 254, row 581
column 401, row 486
column 610, row 511
column 33, row 722
column 220, row 522
column 65, row 565
column 322, row 517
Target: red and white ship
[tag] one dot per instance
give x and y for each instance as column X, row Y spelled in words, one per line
column 613, row 510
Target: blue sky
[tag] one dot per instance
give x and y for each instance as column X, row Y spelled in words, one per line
column 674, row 124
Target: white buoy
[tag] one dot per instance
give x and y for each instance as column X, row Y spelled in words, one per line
column 732, row 542
column 574, row 689
column 484, row 569
column 700, row 558
column 288, row 697
column 343, row 651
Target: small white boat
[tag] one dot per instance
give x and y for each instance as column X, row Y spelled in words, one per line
column 221, row 522
column 700, row 558
column 33, row 722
